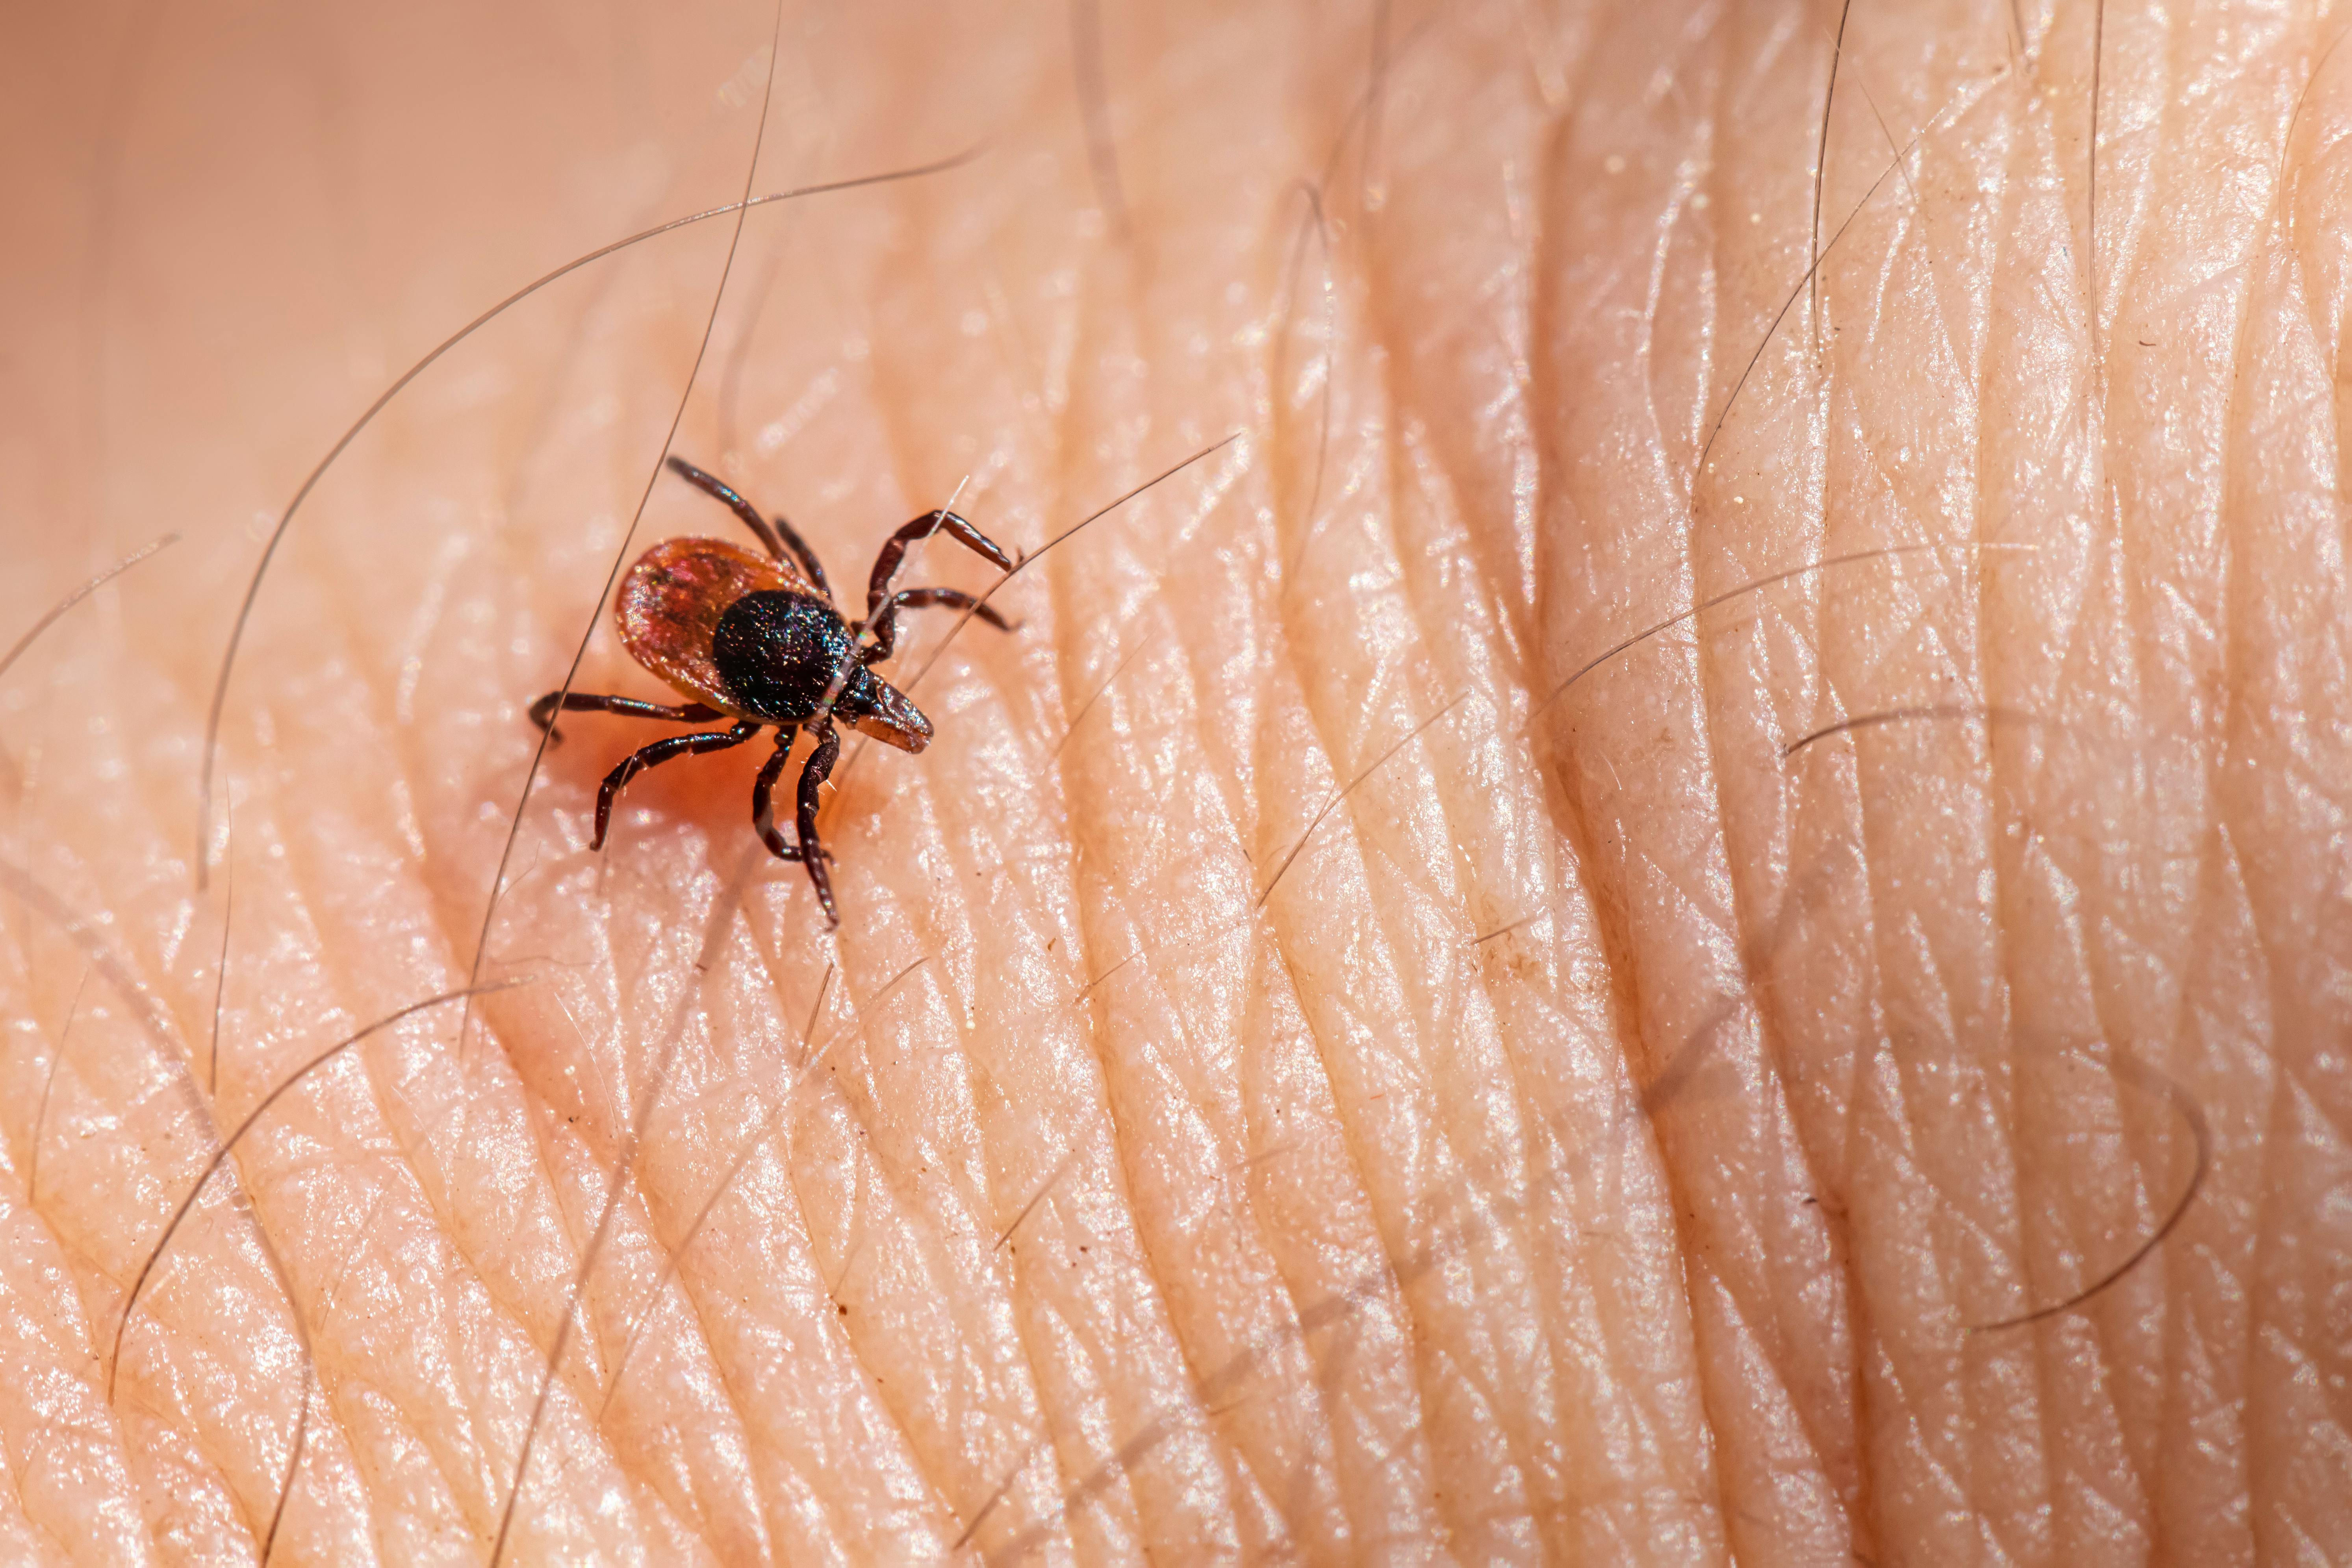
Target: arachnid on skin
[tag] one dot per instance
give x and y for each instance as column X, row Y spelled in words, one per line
column 759, row 640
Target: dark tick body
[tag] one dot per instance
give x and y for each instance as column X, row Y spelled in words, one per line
column 757, row 639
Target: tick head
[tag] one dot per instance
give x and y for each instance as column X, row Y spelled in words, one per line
column 872, row 705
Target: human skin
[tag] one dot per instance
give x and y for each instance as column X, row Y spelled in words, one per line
column 1358, row 1093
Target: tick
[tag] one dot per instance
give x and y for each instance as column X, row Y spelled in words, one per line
column 760, row 641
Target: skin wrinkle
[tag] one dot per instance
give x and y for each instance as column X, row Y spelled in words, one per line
column 1854, row 981
column 1154, row 1430
column 228, row 1147
column 630, row 1176
column 515, row 1295
column 2285, row 186
column 1364, row 1161
column 158, row 1027
column 1312, row 1319
column 1334, row 741
column 1720, row 802
column 1808, row 1472
column 1989, row 517
column 1518, row 1095
column 1292, row 1294
column 2113, row 603
column 2282, row 276
column 674, row 1254
column 1647, row 323
column 1118, row 1062
column 1358, row 1165
column 516, row 1298
column 1025, row 1280
column 901, row 1194
column 1991, row 582
column 1547, row 322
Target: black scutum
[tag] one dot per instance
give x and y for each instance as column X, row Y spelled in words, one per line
column 778, row 652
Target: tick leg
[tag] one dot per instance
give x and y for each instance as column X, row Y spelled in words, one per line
column 653, row 756
column 763, row 814
column 886, row 565
column 885, row 625
column 715, row 487
column 820, row 764
column 542, row 712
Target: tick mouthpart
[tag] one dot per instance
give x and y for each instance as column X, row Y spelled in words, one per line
column 884, row 713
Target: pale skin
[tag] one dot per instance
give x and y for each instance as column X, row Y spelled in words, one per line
column 1358, row 1092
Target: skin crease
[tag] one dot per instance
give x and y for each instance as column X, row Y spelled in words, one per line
column 1348, row 1102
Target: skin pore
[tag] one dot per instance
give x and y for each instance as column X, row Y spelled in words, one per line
column 1318, row 1060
